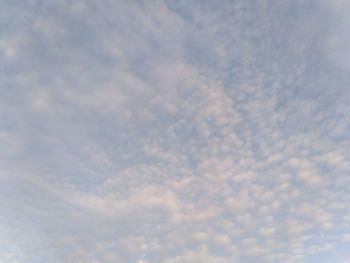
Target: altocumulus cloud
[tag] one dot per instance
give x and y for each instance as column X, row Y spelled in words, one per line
column 174, row 131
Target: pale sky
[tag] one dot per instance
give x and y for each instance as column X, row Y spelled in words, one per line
column 174, row 131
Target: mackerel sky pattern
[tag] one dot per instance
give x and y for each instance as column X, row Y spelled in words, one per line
column 174, row 131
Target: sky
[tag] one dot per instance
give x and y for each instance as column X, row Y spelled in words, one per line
column 174, row 131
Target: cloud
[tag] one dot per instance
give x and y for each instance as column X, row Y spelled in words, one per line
column 172, row 131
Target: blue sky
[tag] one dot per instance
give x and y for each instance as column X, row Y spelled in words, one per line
column 174, row 131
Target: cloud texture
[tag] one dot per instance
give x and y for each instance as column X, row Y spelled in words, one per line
column 174, row 131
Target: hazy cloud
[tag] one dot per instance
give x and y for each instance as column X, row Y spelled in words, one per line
column 171, row 131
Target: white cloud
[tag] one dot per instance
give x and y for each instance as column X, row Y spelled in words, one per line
column 164, row 132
